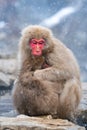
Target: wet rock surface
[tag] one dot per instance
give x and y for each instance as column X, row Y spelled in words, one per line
column 33, row 123
column 82, row 112
column 83, row 104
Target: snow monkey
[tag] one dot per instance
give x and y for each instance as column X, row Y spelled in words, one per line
column 48, row 81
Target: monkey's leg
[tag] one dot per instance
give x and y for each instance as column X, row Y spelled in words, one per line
column 37, row 98
column 70, row 98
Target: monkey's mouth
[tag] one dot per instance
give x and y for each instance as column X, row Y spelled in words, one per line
column 37, row 53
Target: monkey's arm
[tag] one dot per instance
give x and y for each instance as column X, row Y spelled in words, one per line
column 54, row 74
column 63, row 65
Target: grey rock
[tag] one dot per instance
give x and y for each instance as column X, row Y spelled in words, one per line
column 4, row 80
column 7, row 71
column 8, row 66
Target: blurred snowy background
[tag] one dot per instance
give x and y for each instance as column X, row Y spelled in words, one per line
column 67, row 19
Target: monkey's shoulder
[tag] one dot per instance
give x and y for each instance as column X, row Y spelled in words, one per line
column 60, row 47
column 61, row 54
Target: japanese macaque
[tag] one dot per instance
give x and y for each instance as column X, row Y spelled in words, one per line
column 48, row 81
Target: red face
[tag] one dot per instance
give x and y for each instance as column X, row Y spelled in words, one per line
column 37, row 46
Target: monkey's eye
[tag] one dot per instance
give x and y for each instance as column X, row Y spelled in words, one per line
column 42, row 41
column 34, row 42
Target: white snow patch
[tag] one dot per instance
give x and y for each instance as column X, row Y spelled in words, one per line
column 55, row 19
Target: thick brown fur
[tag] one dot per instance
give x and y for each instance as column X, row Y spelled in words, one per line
column 49, row 84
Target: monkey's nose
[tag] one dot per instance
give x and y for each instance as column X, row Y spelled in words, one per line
column 37, row 48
